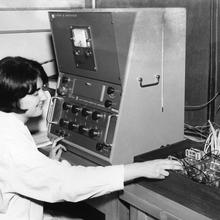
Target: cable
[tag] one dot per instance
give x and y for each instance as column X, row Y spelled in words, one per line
column 198, row 107
column 204, row 169
column 200, row 132
column 191, row 172
column 212, row 143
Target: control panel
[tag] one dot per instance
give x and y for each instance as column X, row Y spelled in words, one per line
column 117, row 78
column 86, row 110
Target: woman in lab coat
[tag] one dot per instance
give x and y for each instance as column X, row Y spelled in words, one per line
column 27, row 177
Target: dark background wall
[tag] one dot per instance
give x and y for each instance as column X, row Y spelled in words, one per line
column 201, row 52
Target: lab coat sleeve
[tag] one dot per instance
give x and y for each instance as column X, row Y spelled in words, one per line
column 34, row 175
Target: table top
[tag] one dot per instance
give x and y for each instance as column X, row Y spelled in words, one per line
column 180, row 189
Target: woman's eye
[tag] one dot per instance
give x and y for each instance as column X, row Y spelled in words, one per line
column 36, row 93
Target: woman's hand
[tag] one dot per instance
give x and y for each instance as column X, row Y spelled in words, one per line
column 56, row 149
column 156, row 169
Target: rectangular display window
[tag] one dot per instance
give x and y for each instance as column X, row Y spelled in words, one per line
column 81, row 37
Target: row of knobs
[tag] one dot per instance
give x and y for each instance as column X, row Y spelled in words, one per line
column 110, row 89
column 84, row 111
column 64, row 88
column 87, row 53
column 81, row 128
column 99, row 146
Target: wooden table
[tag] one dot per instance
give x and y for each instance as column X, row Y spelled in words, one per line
column 177, row 197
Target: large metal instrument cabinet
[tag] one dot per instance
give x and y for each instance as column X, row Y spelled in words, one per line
column 121, row 82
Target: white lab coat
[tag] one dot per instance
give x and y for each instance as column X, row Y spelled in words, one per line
column 27, row 177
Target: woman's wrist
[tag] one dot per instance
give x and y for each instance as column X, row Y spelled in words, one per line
column 131, row 171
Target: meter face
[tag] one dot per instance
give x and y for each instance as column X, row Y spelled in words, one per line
column 80, row 37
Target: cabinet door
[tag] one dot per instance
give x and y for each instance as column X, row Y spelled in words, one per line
column 136, row 214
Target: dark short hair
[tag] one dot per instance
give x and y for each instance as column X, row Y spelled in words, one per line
column 18, row 77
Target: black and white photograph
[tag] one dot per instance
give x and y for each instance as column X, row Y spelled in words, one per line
column 109, row 109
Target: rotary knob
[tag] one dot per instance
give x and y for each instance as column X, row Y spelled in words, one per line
column 96, row 115
column 63, row 91
column 82, row 129
column 66, row 106
column 75, row 109
column 99, row 146
column 94, row 133
column 110, row 90
column 72, row 125
column 86, row 112
column 77, row 52
column 108, row 103
column 63, row 122
column 65, row 79
column 62, row 133
column 88, row 53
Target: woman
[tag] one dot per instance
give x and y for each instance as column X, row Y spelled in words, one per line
column 27, row 177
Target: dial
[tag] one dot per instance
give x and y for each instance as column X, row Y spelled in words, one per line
column 110, row 90
column 76, row 109
column 94, row 133
column 72, row 125
column 86, row 112
column 108, row 103
column 96, row 115
column 66, row 106
column 82, row 129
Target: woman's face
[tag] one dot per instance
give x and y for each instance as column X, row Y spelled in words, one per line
column 34, row 103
